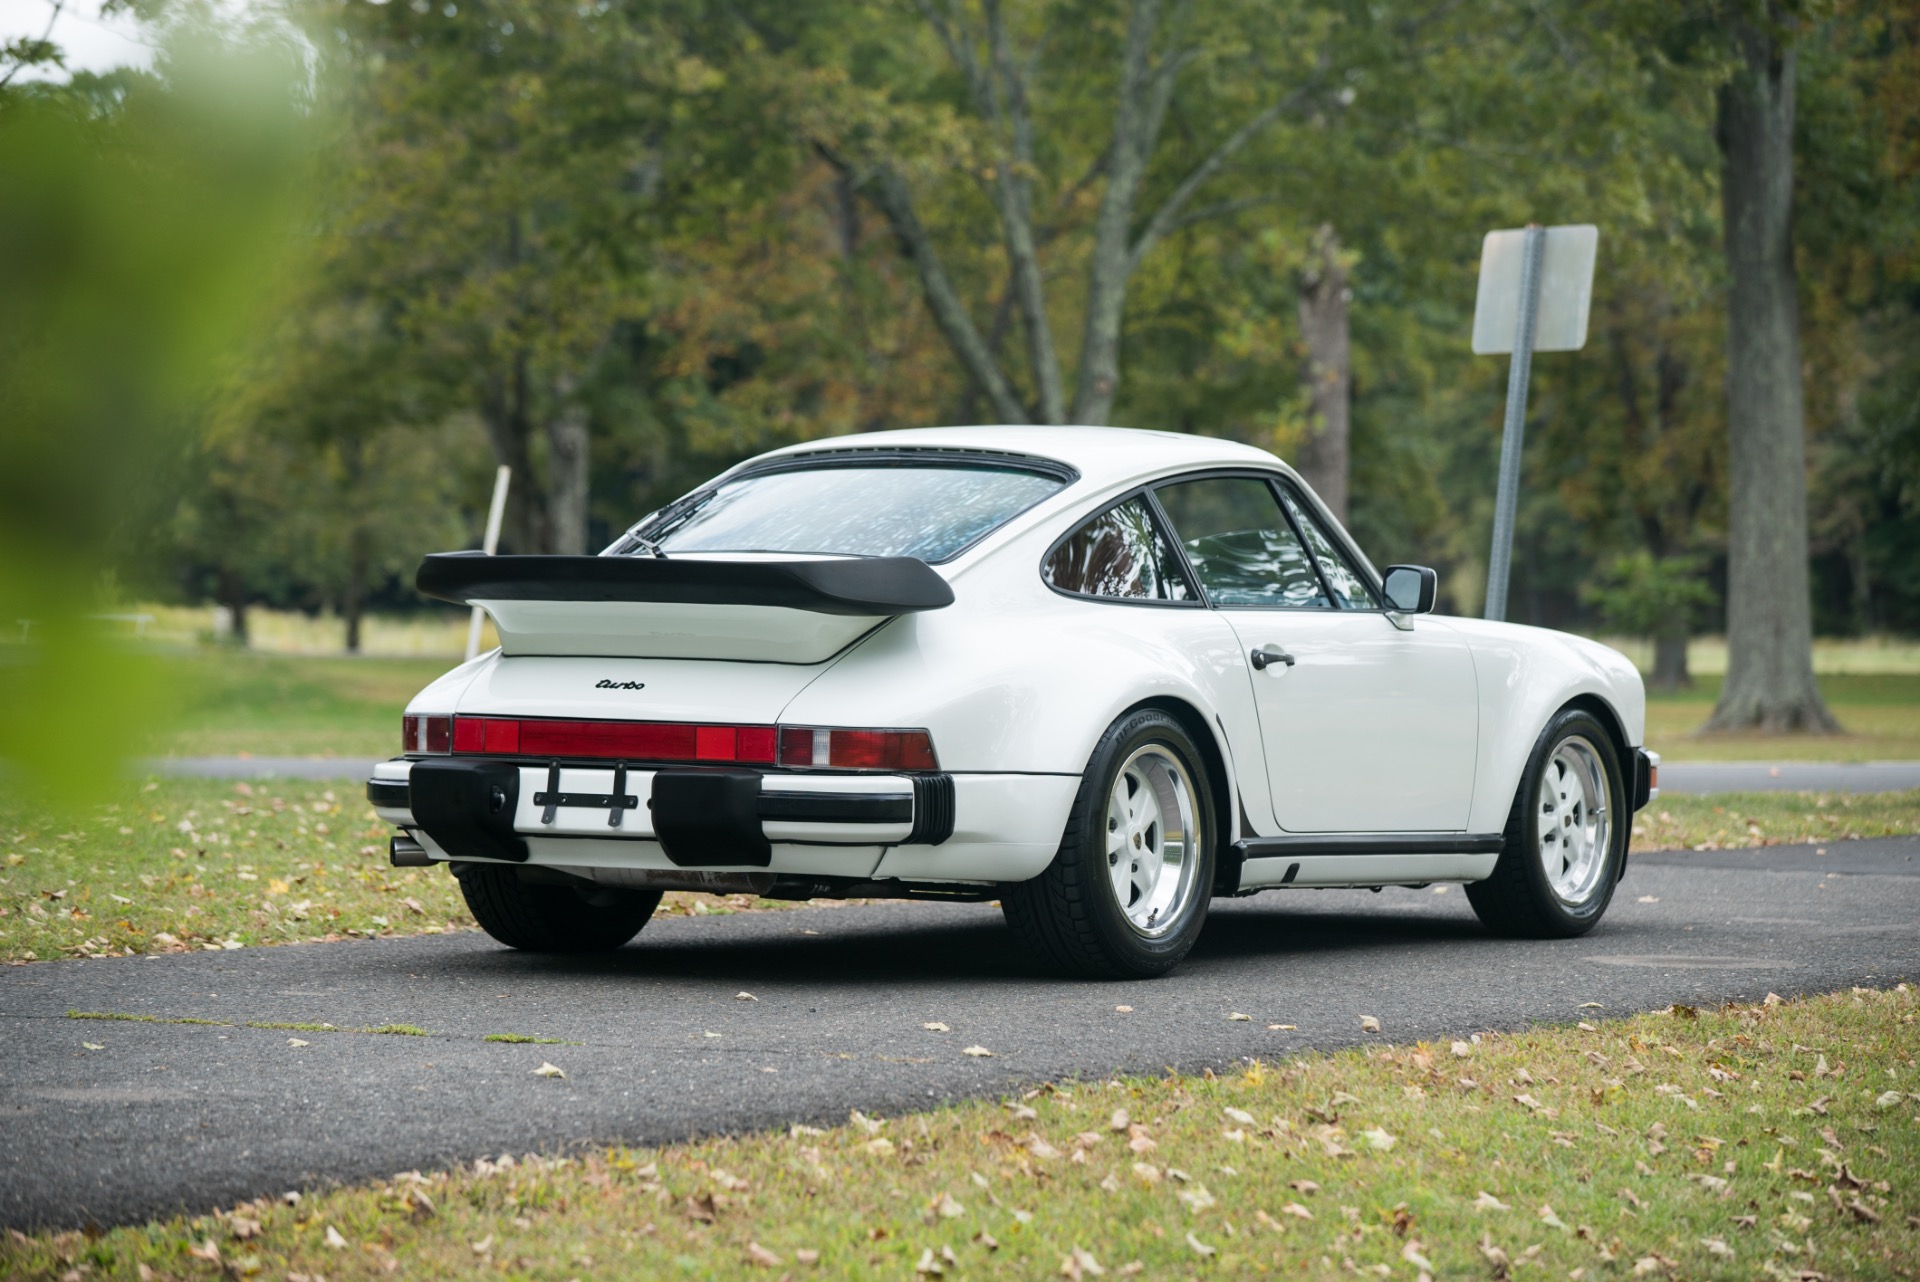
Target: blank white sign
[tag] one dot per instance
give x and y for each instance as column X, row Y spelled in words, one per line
column 1566, row 289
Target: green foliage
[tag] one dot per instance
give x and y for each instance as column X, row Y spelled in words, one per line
column 1639, row 595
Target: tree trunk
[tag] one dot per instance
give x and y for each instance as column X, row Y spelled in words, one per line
column 353, row 602
column 1111, row 262
column 1323, row 455
column 233, row 595
column 509, row 429
column 1770, row 684
column 1670, row 663
column 568, row 455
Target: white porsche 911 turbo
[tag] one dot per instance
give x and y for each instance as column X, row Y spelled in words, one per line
column 1100, row 675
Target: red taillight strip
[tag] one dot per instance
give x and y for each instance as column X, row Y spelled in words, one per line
column 614, row 740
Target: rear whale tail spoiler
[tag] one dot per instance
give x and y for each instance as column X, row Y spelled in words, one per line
column 866, row 587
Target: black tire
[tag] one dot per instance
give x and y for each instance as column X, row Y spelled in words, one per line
column 1071, row 914
column 540, row 918
column 1519, row 900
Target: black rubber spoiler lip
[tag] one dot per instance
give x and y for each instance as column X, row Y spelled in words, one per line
column 862, row 586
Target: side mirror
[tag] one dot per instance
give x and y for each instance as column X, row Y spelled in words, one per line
column 1410, row 589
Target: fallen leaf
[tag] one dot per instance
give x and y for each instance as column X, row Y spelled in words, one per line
column 1200, row 1248
column 987, row 1240
column 806, row 1256
column 1649, row 899
column 928, row 1265
column 1552, row 1221
column 1888, row 1099
column 1377, row 1138
column 547, row 1070
column 948, row 1208
column 1197, row 1198
column 1080, row 1264
column 93, row 1046
column 699, row 1207
column 1296, row 1210
column 1124, row 1010
column 333, row 1239
column 1368, row 1024
column 1717, row 1246
column 1237, row 1018
column 1461, row 1050
column 1412, row 1255
column 757, row 1254
column 935, row 1026
column 978, row 1052
column 1119, row 1121
column 1488, row 1202
column 209, row 1250
column 1239, row 1115
column 1147, row 1172
column 1283, row 1028
column 744, row 996
column 1306, row 1187
column 295, row 1041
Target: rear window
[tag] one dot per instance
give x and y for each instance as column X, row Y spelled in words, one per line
column 932, row 511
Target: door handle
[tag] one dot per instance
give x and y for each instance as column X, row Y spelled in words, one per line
column 1270, row 654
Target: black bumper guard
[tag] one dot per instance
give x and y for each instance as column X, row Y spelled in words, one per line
column 703, row 818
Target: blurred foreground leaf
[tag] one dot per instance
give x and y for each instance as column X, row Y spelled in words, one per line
column 139, row 226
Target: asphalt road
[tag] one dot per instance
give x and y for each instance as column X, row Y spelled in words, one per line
column 1675, row 777
column 170, row 1116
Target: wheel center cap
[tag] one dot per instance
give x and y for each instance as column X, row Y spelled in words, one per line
column 1136, row 841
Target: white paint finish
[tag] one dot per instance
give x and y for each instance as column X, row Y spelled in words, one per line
column 671, row 630
column 1373, row 727
column 1017, row 683
column 1323, row 871
column 674, row 689
column 812, row 861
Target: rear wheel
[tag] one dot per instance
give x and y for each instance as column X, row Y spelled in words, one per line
column 1566, row 836
column 541, row 918
column 1126, row 894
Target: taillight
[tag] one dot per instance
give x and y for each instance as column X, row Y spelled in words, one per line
column 426, row 734
column 825, row 748
column 615, row 740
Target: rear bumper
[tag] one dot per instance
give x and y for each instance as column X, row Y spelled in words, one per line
column 936, row 827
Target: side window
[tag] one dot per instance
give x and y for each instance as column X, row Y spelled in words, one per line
column 1122, row 554
column 1240, row 544
column 1348, row 584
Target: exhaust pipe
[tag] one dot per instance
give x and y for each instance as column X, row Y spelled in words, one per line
column 404, row 852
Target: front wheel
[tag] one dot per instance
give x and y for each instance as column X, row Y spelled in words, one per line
column 1566, row 836
column 541, row 918
column 1126, row 894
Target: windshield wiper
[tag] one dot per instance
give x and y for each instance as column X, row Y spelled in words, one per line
column 645, row 545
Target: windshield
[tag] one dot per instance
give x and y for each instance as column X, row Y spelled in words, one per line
column 933, row 511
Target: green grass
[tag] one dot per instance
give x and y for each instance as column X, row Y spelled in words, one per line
column 227, row 703
column 1741, row 820
column 187, row 864
column 180, row 864
column 1777, row 1140
column 523, row 1039
column 1880, row 714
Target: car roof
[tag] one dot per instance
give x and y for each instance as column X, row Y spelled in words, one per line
column 1102, row 455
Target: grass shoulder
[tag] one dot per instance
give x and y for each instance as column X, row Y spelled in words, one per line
column 1779, row 1139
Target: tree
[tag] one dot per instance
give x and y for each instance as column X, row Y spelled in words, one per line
column 1770, row 684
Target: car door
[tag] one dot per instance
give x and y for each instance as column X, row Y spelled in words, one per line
column 1368, row 725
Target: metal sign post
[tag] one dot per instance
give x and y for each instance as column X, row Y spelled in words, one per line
column 495, row 512
column 1544, row 309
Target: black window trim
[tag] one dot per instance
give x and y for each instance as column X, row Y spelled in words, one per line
column 1275, row 483
column 874, row 456
column 1161, row 526
column 1341, row 542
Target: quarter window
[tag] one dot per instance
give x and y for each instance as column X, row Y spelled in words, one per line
column 1348, row 585
column 1240, row 545
column 1120, row 554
